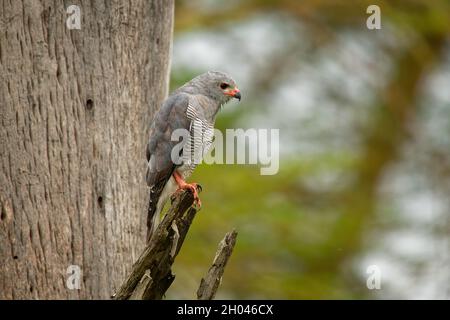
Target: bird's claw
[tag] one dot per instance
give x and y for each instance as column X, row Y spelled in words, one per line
column 197, row 203
column 195, row 188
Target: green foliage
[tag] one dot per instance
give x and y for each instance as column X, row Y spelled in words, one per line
column 281, row 234
column 299, row 238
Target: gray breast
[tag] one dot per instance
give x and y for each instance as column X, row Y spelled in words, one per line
column 201, row 133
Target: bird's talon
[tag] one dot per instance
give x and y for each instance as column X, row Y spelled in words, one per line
column 194, row 188
column 197, row 204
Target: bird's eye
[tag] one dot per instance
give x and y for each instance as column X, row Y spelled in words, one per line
column 224, row 85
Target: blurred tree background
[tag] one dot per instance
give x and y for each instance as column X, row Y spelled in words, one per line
column 364, row 119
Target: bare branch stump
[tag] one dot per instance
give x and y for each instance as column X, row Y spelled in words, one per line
column 151, row 274
column 209, row 284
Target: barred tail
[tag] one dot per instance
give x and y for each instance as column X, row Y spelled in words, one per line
column 159, row 193
column 152, row 215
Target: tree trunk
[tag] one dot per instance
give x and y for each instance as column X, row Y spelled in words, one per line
column 75, row 109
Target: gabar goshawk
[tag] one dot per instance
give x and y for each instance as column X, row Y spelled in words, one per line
column 192, row 107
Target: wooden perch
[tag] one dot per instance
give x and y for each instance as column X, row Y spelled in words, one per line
column 151, row 274
column 209, row 284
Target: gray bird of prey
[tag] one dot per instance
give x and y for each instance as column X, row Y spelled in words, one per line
column 192, row 107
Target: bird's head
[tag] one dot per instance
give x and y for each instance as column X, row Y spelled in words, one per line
column 217, row 85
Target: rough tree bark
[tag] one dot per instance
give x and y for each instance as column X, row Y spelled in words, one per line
column 75, row 109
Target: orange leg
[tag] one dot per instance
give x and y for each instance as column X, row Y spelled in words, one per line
column 183, row 185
